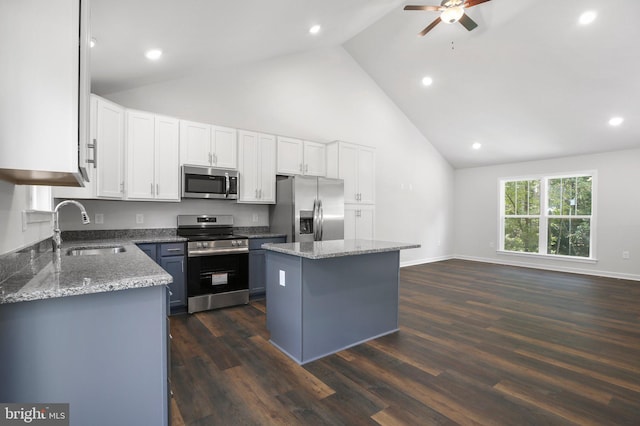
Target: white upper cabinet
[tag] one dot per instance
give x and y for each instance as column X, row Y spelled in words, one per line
column 43, row 84
column 290, row 156
column 355, row 164
column 153, row 170
column 109, row 149
column 167, row 152
column 315, row 161
column 298, row 157
column 224, row 147
column 89, row 189
column 206, row 145
column 195, row 143
column 140, row 143
column 257, row 167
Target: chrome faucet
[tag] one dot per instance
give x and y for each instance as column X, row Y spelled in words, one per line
column 57, row 239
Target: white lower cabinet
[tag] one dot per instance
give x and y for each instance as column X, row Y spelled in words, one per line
column 153, row 171
column 359, row 222
column 257, row 167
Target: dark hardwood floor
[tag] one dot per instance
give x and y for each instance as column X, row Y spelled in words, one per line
column 478, row 344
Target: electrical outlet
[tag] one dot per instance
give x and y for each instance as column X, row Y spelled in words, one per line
column 139, row 218
column 625, row 255
column 492, row 244
column 282, row 278
column 99, row 219
column 255, row 217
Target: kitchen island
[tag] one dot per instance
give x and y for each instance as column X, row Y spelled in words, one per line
column 326, row 296
column 88, row 330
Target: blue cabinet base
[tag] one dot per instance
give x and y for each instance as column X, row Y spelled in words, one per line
column 327, row 305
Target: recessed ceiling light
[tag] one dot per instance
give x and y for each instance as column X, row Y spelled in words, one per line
column 314, row 30
column 616, row 121
column 427, row 81
column 476, row 145
column 587, row 17
column 153, row 54
column 92, row 43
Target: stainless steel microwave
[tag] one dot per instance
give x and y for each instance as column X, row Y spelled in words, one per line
column 208, row 182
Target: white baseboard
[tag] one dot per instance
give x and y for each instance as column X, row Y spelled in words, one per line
column 423, row 261
column 597, row 273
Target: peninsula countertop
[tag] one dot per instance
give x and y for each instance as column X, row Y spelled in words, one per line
column 337, row 248
column 51, row 275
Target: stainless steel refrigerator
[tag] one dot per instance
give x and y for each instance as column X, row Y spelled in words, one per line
column 308, row 208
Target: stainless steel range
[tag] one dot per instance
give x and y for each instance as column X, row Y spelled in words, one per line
column 218, row 262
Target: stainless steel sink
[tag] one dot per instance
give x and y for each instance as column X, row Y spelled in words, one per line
column 91, row 251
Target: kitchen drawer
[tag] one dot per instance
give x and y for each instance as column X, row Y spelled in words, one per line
column 256, row 243
column 171, row 249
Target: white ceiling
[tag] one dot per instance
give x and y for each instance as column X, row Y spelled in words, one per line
column 528, row 83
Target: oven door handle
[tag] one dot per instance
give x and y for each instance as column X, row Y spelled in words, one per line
column 227, row 185
column 218, row 252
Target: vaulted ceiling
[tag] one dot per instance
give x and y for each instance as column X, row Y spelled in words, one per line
column 529, row 83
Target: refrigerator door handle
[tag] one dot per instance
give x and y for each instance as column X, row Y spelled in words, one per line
column 321, row 219
column 315, row 220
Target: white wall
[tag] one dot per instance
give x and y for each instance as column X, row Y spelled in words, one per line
column 618, row 212
column 122, row 214
column 14, row 199
column 323, row 96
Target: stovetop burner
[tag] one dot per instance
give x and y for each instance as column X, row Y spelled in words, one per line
column 207, row 227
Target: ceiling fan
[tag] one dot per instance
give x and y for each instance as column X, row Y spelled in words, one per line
column 451, row 11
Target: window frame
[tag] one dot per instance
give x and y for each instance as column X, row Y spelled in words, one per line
column 544, row 216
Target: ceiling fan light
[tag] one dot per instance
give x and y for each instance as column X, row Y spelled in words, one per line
column 452, row 14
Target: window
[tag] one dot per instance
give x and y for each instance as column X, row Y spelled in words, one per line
column 548, row 215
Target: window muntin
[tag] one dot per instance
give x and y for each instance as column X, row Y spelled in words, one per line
column 549, row 215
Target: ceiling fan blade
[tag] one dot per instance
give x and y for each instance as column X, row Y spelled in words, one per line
column 467, row 22
column 430, row 27
column 431, row 8
column 471, row 3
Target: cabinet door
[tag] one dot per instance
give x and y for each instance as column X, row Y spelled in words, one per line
column 315, row 162
column 224, row 147
column 289, row 156
column 267, row 144
column 350, row 221
column 365, row 223
column 366, row 175
column 174, row 265
column 110, row 150
column 89, row 189
column 140, row 142
column 167, row 165
column 150, row 250
column 248, row 166
column 348, row 169
column 195, row 143
column 39, row 86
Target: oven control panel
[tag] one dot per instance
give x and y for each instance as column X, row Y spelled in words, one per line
column 216, row 247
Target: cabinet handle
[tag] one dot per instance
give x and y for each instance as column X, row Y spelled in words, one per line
column 215, row 159
column 93, row 146
column 157, row 189
column 174, row 249
column 182, row 266
column 210, row 159
column 306, row 168
column 260, row 193
column 122, row 187
column 151, row 188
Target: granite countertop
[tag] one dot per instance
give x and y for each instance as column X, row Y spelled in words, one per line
column 50, row 275
column 337, row 248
